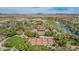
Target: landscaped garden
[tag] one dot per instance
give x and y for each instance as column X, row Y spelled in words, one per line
column 19, row 43
column 18, row 33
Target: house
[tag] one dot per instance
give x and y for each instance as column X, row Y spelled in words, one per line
column 46, row 41
column 41, row 30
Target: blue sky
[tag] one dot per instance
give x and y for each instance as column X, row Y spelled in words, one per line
column 27, row 10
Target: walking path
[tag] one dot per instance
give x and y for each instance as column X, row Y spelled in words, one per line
column 1, row 45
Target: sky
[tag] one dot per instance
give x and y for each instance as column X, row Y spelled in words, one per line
column 30, row 10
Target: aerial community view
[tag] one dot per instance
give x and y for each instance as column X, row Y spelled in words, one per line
column 39, row 29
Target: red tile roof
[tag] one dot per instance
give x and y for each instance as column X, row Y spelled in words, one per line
column 38, row 41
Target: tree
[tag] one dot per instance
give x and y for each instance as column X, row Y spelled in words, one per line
column 50, row 33
column 9, row 32
column 31, row 34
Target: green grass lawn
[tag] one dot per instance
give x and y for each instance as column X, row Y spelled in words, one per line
column 19, row 43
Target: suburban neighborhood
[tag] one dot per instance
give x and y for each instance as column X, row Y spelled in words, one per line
column 35, row 33
column 38, row 31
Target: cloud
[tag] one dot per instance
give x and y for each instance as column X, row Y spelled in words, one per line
column 39, row 10
column 25, row 10
column 65, row 10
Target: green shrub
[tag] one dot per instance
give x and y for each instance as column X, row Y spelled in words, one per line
column 49, row 33
column 31, row 34
column 9, row 32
